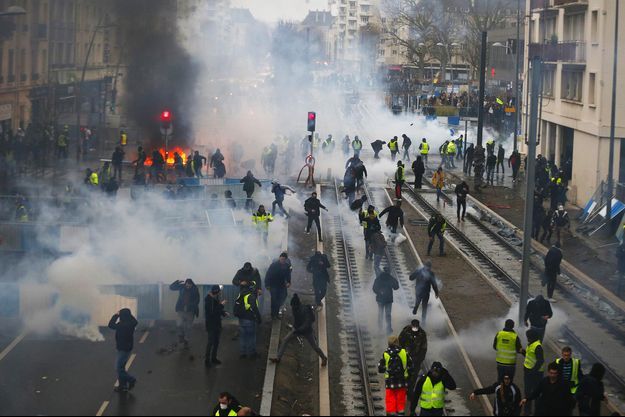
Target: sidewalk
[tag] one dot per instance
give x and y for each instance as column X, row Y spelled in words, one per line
column 588, row 254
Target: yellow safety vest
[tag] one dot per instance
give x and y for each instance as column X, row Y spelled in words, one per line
column 93, row 179
column 124, row 139
column 530, row 356
column 451, row 148
column 574, row 374
column 246, row 302
column 62, row 141
column 230, row 413
column 22, row 216
column 425, row 148
column 401, row 174
column 393, row 146
column 365, row 216
column 404, row 362
column 357, row 145
column 557, row 181
column 506, row 348
column 432, row 396
column 261, row 221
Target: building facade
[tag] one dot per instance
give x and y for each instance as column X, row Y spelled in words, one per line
column 575, row 39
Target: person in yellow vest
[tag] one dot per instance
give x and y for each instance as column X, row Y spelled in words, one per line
column 534, row 366
column 570, row 369
column 400, row 179
column 261, row 220
column 396, row 366
column 451, row 154
column 508, row 345
column 227, row 406
column 438, row 180
column 123, row 138
column 393, row 145
column 21, row 212
column 424, row 148
column 430, row 390
column 246, row 310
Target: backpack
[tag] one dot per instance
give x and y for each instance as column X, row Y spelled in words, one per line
column 239, row 306
column 395, row 366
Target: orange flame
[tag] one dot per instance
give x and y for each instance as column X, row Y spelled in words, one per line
column 169, row 158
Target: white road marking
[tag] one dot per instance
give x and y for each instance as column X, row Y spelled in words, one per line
column 103, row 408
column 128, row 365
column 12, row 346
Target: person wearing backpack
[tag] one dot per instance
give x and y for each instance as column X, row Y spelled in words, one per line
column 383, row 288
column 396, row 366
column 378, row 248
column 303, row 321
column 246, row 310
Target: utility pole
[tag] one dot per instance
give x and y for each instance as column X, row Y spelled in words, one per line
column 536, row 77
column 610, row 189
column 480, row 114
column 517, row 96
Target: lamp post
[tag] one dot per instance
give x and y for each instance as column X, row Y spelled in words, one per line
column 613, row 118
column 516, row 87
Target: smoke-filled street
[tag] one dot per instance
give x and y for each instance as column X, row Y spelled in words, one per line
column 311, row 207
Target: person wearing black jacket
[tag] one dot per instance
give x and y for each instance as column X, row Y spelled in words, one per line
column 553, row 395
column 395, row 216
column 303, row 320
column 247, row 275
column 462, row 191
column 187, row 308
column 227, row 406
column 418, row 168
column 591, row 392
column 313, row 207
column 117, row 160
column 383, row 288
column 249, row 185
column 553, row 260
column 468, row 159
column 437, row 374
column 213, row 313
column 406, row 144
column 507, row 397
column 425, row 283
column 318, row 266
column 377, row 147
column 501, row 157
column 538, row 313
column 124, row 325
column 277, row 282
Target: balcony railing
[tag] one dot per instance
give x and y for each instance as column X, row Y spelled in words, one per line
column 568, row 51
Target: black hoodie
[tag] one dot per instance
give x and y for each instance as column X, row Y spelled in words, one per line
column 124, row 325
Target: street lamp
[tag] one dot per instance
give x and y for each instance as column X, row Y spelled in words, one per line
column 13, row 11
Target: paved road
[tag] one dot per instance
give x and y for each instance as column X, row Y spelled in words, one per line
column 59, row 375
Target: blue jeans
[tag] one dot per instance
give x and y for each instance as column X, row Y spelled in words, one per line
column 384, row 314
column 123, row 376
column 278, row 297
column 439, row 194
column 247, row 337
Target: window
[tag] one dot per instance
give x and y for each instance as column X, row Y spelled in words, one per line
column 574, row 27
column 594, row 27
column 364, row 20
column 592, row 79
column 572, row 83
column 549, row 76
column 382, row 52
column 551, row 28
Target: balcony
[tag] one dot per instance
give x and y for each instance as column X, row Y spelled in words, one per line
column 568, row 51
column 540, row 4
column 559, row 3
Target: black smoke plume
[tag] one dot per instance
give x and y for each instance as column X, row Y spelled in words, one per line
column 160, row 73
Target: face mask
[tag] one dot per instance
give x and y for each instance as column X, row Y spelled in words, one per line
column 223, row 406
column 415, row 329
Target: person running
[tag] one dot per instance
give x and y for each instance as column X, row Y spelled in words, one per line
column 383, row 288
column 280, row 191
column 261, row 220
column 313, row 207
column 124, row 325
column 303, row 320
column 318, row 266
column 277, row 282
column 249, row 182
column 438, row 180
column 395, row 216
column 425, row 282
column 436, row 229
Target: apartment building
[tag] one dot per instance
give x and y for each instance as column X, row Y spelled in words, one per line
column 575, row 39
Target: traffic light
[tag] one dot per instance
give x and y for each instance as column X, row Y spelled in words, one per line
column 312, row 121
column 166, row 119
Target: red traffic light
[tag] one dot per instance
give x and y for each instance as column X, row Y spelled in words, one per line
column 312, row 116
column 166, row 116
column 312, row 121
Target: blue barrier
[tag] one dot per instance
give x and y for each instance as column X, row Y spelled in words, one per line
column 9, row 300
column 453, row 120
column 148, row 299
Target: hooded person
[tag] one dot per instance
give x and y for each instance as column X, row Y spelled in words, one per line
column 214, row 312
column 124, row 325
column 249, row 186
column 187, row 308
column 430, row 391
column 537, row 314
column 247, row 275
column 318, row 266
column 507, row 396
column 303, row 326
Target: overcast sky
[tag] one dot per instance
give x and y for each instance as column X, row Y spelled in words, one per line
column 275, row 10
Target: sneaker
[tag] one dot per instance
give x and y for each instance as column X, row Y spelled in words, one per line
column 553, row 300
